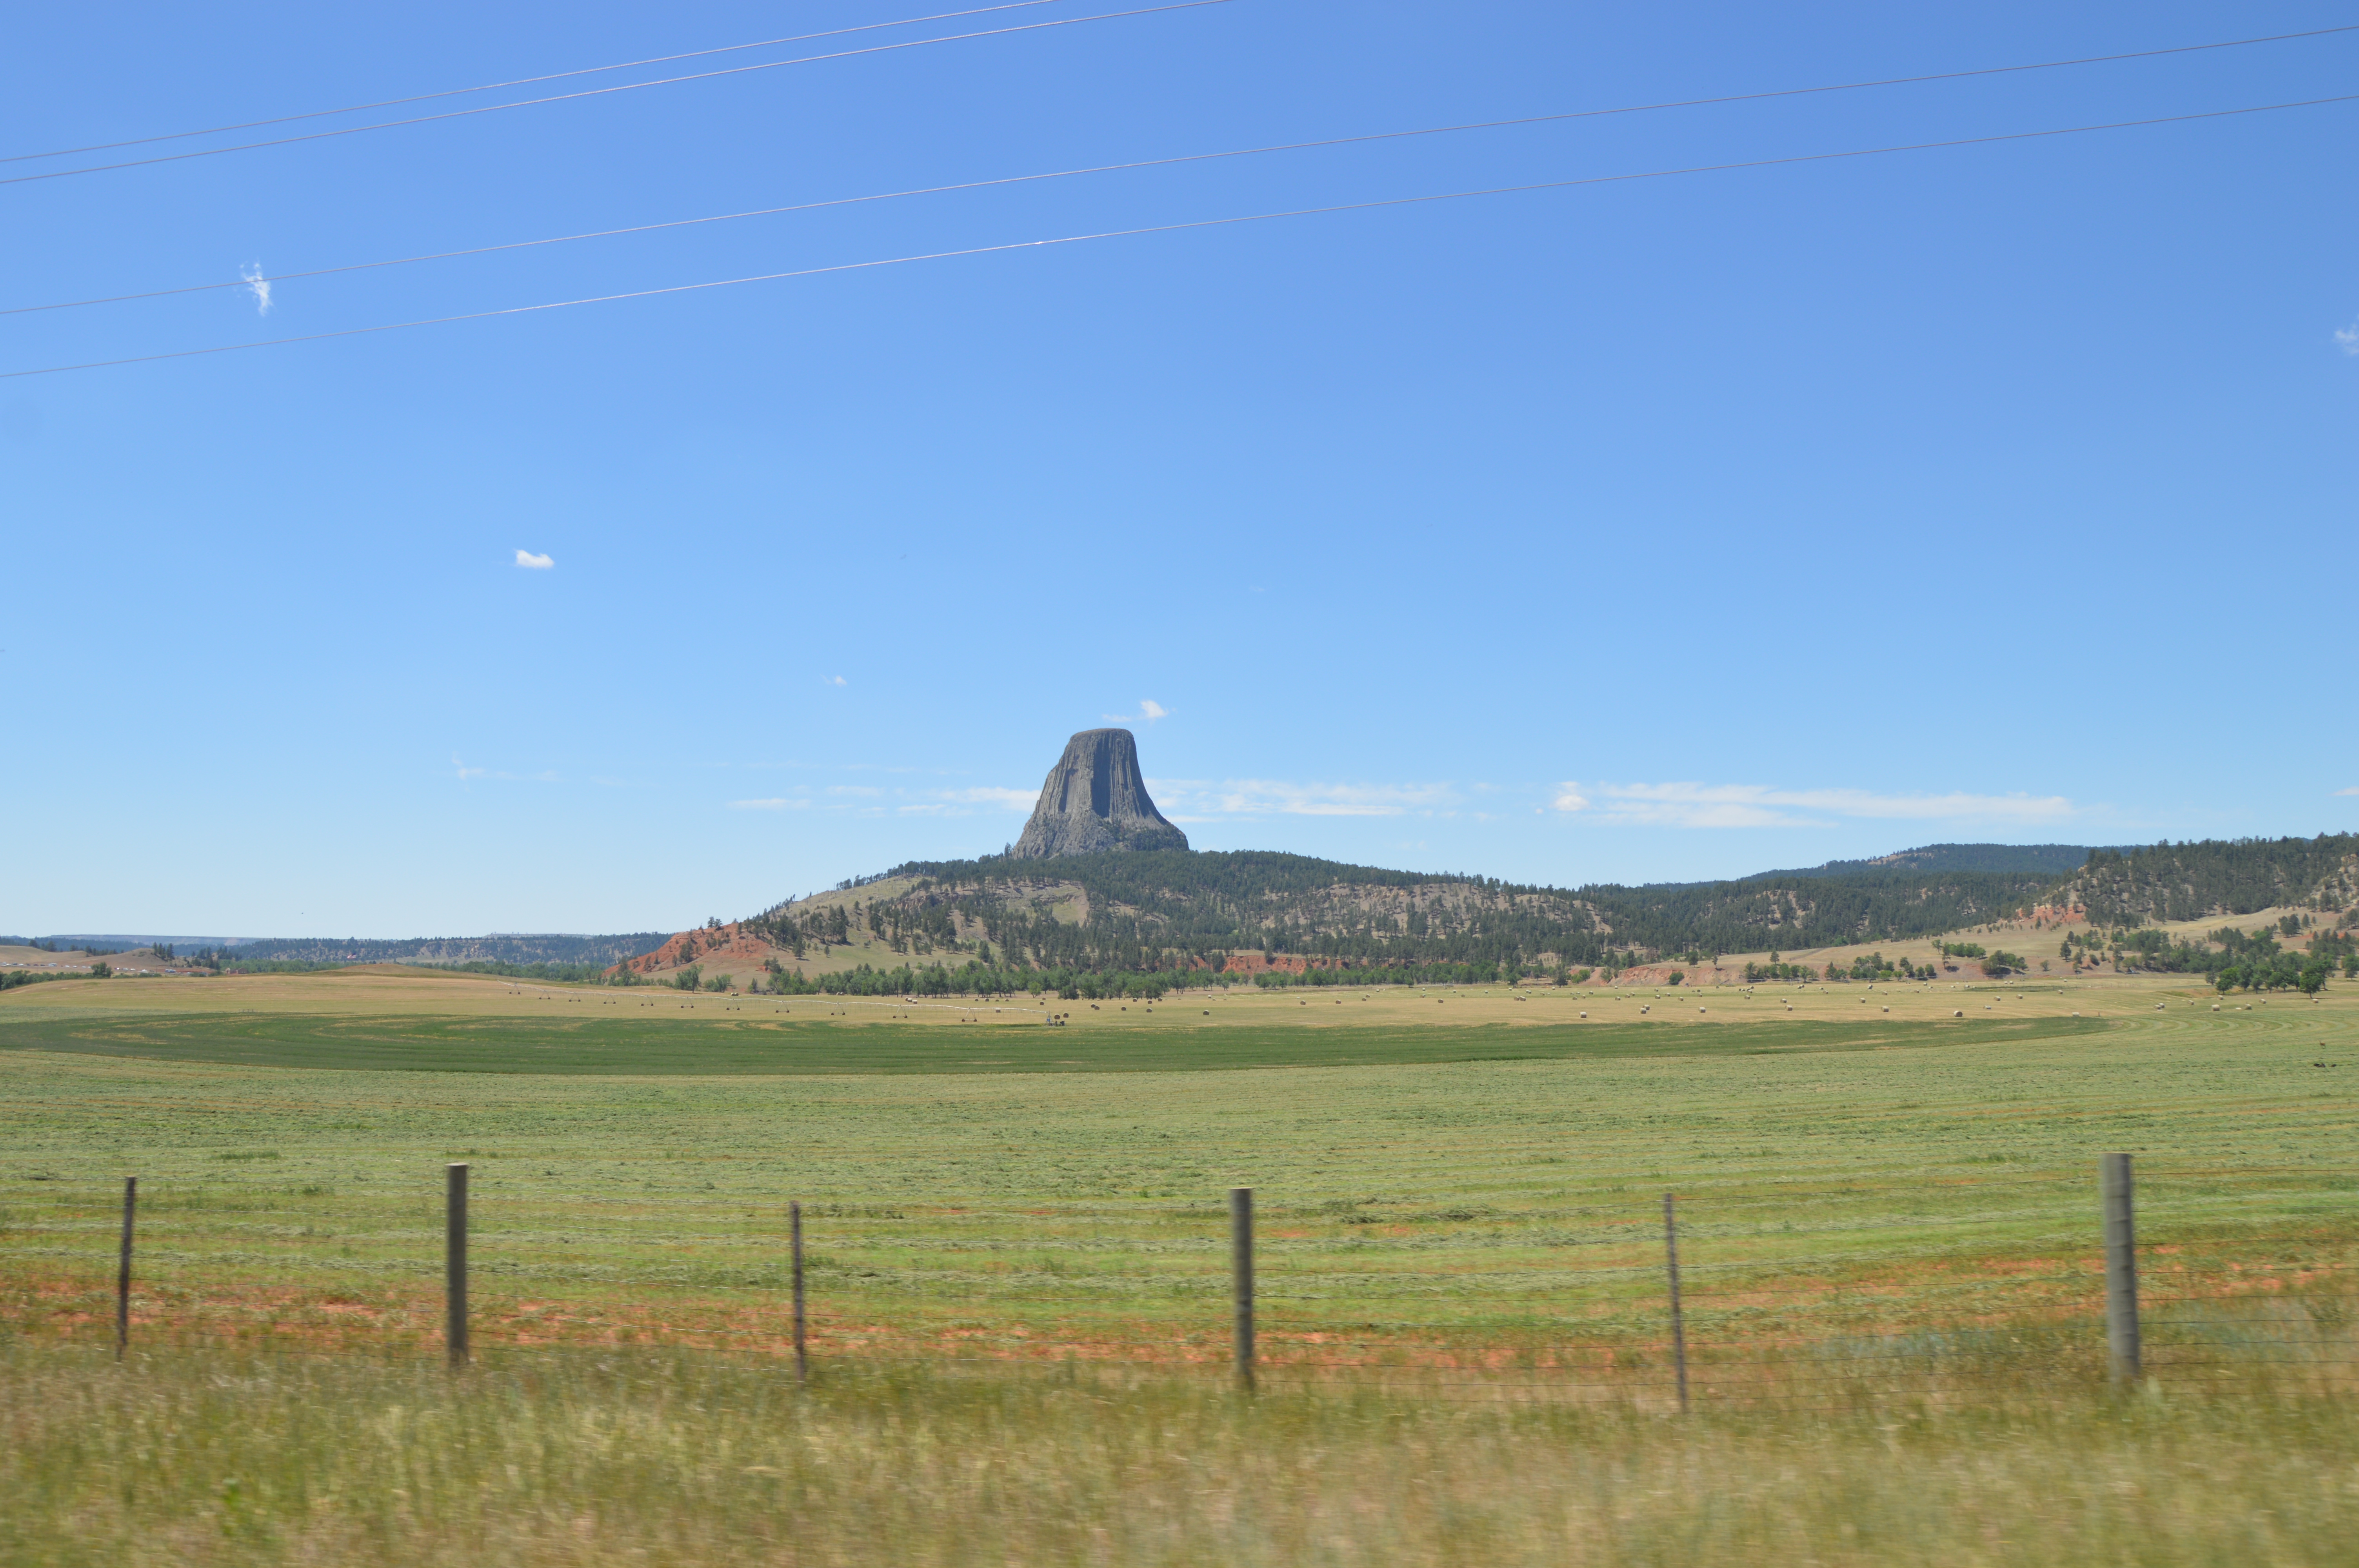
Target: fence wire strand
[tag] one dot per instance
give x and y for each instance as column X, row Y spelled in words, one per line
column 2005, row 1299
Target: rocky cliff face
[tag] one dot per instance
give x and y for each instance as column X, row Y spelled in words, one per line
column 1095, row 799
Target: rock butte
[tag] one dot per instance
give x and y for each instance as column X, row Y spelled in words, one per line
column 1094, row 800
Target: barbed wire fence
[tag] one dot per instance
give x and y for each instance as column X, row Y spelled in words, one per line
column 1652, row 1313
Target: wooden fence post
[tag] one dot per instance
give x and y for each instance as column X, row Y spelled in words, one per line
column 1240, row 1268
column 2121, row 1266
column 795, row 1230
column 123, row 1272
column 454, row 1265
column 1679, row 1324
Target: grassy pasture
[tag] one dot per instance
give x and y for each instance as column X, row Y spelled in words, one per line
column 1481, row 1189
column 382, row 1018
column 1018, row 1289
column 882, row 1041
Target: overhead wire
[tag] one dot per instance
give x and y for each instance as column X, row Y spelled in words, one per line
column 517, row 82
column 608, row 92
column 1134, row 165
column 1014, row 5
column 1379, row 204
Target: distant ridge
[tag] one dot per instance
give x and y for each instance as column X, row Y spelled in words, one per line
column 83, row 939
column 503, row 947
column 2049, row 859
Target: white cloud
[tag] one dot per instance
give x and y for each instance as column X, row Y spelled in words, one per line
column 1148, row 709
column 984, row 795
column 871, row 800
column 1278, row 797
column 951, row 802
column 2353, row 790
column 835, row 680
column 531, row 562
column 2347, row 339
column 466, row 774
column 258, row 285
column 1757, row 806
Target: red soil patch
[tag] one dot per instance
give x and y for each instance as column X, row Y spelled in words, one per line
column 686, row 948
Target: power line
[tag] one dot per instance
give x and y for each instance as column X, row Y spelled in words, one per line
column 604, row 91
column 1165, row 163
column 1200, row 223
column 518, row 82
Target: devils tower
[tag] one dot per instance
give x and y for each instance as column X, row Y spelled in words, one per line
column 1095, row 800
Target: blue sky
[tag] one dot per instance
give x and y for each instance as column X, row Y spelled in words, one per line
column 1653, row 529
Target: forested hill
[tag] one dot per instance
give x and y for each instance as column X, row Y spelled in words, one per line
column 2050, row 859
column 2196, row 880
column 1811, row 909
column 1178, row 909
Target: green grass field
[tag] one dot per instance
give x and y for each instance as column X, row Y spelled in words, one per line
column 1018, row 1252
column 653, row 1046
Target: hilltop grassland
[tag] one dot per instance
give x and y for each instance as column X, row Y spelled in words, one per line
column 1019, row 1288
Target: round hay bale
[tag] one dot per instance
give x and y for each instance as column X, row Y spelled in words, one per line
column 1960, row 1013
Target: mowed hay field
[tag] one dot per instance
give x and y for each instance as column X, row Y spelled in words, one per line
column 1019, row 1276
